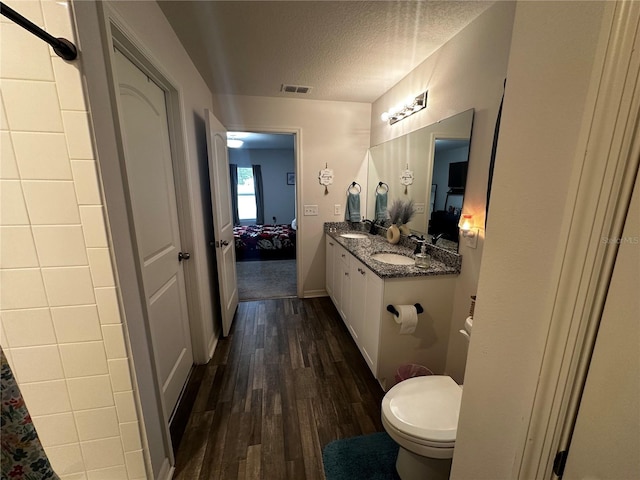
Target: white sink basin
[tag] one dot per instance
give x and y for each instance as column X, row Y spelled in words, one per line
column 393, row 258
column 353, row 235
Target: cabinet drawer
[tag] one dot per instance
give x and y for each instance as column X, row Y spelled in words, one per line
column 344, row 256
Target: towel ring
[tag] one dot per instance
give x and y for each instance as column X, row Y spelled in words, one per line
column 353, row 185
column 382, row 185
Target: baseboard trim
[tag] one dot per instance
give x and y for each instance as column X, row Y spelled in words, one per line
column 314, row 293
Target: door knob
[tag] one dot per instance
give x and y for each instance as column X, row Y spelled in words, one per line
column 224, row 243
column 183, row 256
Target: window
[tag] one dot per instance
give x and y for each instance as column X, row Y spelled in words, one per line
column 246, row 194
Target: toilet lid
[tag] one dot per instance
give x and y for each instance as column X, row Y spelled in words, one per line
column 424, row 407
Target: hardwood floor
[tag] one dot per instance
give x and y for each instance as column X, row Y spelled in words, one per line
column 287, row 380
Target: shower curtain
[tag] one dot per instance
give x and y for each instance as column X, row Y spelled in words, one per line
column 23, row 457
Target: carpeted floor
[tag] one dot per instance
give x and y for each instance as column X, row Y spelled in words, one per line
column 266, row 279
column 368, row 457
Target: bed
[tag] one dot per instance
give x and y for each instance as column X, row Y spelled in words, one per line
column 264, row 242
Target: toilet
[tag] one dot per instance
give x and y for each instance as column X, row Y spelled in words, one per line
column 421, row 415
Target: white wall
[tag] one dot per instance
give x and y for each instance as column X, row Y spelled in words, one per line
column 550, row 67
column 61, row 326
column 279, row 198
column 332, row 133
column 466, row 72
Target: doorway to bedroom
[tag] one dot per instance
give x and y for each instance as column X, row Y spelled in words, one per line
column 263, row 193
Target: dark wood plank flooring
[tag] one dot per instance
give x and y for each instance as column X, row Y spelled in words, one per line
column 287, row 380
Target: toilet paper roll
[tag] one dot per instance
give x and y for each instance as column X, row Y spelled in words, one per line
column 407, row 318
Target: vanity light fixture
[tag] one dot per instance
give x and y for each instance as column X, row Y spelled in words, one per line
column 405, row 109
column 468, row 230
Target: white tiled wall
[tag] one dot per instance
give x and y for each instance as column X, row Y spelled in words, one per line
column 61, row 328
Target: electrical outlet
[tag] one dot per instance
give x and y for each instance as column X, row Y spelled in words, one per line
column 471, row 239
column 336, row 209
column 419, row 207
column 310, row 210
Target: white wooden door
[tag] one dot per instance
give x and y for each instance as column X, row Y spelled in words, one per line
column 606, row 440
column 149, row 176
column 222, row 220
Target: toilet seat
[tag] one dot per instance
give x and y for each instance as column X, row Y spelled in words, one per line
column 424, row 411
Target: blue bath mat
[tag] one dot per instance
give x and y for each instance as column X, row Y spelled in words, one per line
column 369, row 457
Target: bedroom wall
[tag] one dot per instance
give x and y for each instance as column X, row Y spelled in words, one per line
column 279, row 198
column 332, row 133
column 466, row 72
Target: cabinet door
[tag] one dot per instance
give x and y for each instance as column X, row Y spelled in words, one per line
column 372, row 314
column 341, row 279
column 345, row 287
column 358, row 299
column 330, row 262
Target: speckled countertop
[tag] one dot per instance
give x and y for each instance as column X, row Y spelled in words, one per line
column 443, row 262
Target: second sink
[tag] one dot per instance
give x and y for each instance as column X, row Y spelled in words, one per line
column 393, row 258
column 353, row 235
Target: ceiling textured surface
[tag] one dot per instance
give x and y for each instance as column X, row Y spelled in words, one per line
column 345, row 50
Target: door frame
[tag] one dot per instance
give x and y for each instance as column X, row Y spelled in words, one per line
column 297, row 153
column 601, row 187
column 102, row 96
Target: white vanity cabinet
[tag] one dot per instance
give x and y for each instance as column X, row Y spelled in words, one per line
column 361, row 297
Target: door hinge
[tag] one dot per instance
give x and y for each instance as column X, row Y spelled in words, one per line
column 559, row 462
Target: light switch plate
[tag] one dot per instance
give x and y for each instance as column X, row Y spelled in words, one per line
column 310, row 210
column 419, row 207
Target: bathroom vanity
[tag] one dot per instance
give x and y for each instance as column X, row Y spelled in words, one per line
column 362, row 287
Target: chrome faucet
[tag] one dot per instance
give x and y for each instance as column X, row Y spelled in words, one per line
column 435, row 238
column 419, row 241
column 372, row 225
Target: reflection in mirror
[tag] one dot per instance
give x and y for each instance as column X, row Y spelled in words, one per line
column 438, row 156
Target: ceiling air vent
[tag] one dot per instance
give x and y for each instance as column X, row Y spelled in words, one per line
column 294, row 89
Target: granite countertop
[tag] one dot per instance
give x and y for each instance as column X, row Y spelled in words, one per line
column 443, row 262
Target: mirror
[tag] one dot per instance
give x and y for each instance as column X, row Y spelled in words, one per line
column 438, row 156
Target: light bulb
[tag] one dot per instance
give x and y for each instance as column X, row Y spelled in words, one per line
column 466, row 222
column 409, row 102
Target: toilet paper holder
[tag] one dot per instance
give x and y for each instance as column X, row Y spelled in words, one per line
column 392, row 309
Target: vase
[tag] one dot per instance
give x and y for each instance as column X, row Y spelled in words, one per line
column 404, row 230
column 393, row 234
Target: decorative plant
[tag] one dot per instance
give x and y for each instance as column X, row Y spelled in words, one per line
column 395, row 211
column 400, row 212
column 407, row 212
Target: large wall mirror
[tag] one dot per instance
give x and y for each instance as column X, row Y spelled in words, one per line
column 438, row 155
